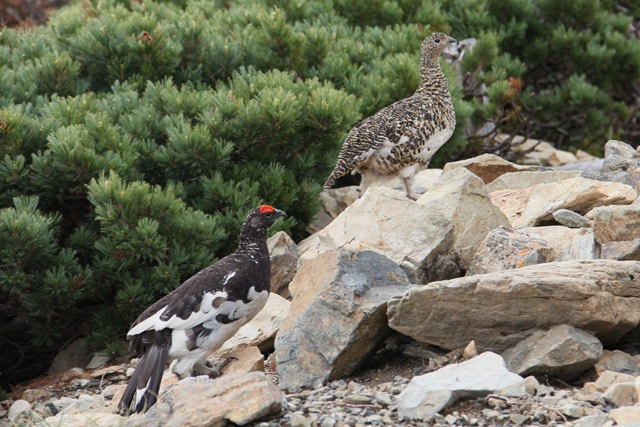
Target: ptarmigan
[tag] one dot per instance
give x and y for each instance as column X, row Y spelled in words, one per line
column 401, row 138
column 199, row 316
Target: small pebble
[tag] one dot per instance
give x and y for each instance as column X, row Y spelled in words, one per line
column 450, row 419
column 357, row 400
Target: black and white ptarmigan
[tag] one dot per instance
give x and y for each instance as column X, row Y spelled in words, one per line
column 401, row 138
column 201, row 314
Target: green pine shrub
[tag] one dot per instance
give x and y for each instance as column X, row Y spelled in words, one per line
column 135, row 136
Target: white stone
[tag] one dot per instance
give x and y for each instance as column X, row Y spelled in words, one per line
column 18, row 407
column 427, row 394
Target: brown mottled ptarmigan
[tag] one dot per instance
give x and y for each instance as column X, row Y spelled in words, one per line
column 401, row 138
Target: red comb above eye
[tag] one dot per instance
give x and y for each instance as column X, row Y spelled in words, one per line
column 266, row 208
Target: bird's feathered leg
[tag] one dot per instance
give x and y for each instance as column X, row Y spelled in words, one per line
column 408, row 187
column 144, row 386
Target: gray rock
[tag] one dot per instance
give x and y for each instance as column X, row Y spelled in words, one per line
column 372, row 223
column 76, row 355
column 571, row 218
column 498, row 310
column 563, row 351
column 571, row 410
column 99, row 359
column 617, row 361
column 621, row 164
column 284, row 261
column 621, row 251
column 216, row 403
column 505, row 249
column 338, row 316
column 427, row 394
column 616, row 223
column 461, row 197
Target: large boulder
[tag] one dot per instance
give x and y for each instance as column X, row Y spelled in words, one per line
column 338, row 316
column 386, row 221
column 498, row 310
column 461, row 197
column 535, row 205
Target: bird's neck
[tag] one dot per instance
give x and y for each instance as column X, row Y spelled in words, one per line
column 254, row 241
column 433, row 80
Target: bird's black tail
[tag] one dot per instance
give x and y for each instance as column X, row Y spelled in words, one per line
column 143, row 388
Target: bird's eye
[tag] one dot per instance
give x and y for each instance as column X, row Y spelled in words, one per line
column 268, row 214
column 437, row 40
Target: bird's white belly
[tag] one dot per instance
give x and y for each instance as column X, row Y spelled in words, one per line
column 434, row 142
column 241, row 312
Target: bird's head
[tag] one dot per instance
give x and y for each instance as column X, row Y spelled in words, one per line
column 432, row 48
column 263, row 217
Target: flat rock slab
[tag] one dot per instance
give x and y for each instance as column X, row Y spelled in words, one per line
column 487, row 166
column 525, row 179
column 200, row 401
column 427, row 394
column 498, row 310
column 338, row 316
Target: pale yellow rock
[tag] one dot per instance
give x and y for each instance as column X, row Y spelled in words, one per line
column 526, row 179
column 567, row 243
column 262, row 329
column 625, row 415
column 531, row 206
column 247, row 359
column 487, row 166
column 412, row 239
column 621, row 394
column 83, row 420
column 591, row 387
column 470, row 350
column 460, row 196
column 607, row 378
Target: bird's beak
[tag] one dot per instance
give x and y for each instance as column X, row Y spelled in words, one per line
column 451, row 40
column 280, row 213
